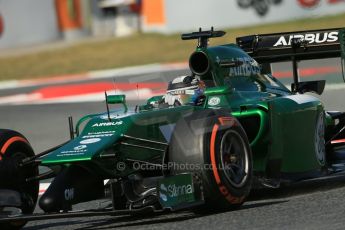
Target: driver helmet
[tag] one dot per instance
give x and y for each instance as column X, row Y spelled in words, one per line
column 184, row 90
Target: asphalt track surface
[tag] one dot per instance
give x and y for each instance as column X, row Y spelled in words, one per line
column 310, row 205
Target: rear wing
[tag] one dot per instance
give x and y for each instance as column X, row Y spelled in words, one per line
column 301, row 45
column 294, row 47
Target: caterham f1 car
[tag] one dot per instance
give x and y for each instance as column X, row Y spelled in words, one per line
column 215, row 135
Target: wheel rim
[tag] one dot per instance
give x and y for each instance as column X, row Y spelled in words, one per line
column 234, row 158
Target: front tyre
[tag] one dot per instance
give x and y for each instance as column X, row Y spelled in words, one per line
column 14, row 147
column 214, row 145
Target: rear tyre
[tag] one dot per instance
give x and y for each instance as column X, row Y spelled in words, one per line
column 214, row 145
column 13, row 148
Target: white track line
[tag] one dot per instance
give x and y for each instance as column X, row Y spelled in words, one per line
column 37, row 98
column 43, row 188
column 98, row 74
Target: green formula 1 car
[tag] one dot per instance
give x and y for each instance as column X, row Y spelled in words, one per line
column 227, row 128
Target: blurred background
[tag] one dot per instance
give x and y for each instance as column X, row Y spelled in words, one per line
column 57, row 57
column 74, row 36
column 31, row 22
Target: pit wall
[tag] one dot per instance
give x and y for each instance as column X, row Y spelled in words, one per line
column 180, row 16
column 24, row 23
column 27, row 23
column 21, row 22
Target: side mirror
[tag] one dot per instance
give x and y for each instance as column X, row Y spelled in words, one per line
column 116, row 99
column 309, row 86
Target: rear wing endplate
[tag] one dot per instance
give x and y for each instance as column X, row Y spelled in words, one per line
column 302, row 45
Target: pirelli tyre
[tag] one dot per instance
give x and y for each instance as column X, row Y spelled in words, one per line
column 213, row 144
column 17, row 195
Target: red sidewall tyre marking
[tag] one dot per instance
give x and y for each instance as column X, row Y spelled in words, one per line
column 222, row 188
column 212, row 152
column 10, row 141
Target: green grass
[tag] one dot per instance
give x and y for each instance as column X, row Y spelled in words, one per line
column 134, row 50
